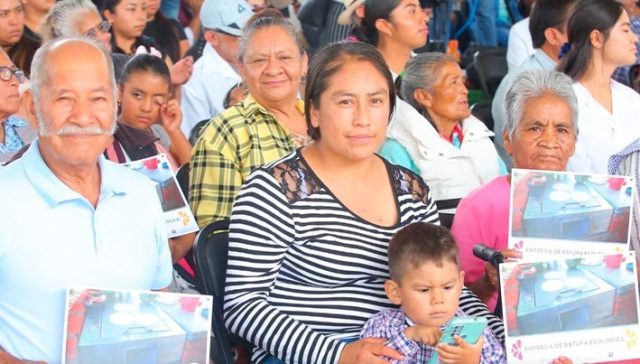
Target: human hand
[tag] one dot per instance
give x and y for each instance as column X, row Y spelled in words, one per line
column 181, row 71
column 368, row 351
column 562, row 360
column 491, row 272
column 424, row 334
column 464, row 353
column 171, row 116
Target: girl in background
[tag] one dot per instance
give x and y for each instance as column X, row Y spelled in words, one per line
column 147, row 110
column 128, row 19
column 146, row 103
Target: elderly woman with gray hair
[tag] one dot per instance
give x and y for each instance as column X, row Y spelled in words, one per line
column 80, row 17
column 540, row 133
column 434, row 134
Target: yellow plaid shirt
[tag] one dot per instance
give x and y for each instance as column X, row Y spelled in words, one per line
column 230, row 146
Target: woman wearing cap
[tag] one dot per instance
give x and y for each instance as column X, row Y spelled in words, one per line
column 267, row 125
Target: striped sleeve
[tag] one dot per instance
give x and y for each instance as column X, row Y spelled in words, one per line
column 471, row 305
column 260, row 233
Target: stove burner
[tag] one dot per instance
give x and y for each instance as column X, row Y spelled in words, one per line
column 552, row 285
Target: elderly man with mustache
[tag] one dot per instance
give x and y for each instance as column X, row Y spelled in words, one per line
column 69, row 216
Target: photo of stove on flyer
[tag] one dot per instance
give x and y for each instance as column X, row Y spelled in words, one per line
column 585, row 308
column 130, row 326
column 564, row 214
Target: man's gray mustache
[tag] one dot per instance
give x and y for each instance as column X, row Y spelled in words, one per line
column 87, row 130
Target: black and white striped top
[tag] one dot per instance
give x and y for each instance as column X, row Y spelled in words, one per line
column 303, row 271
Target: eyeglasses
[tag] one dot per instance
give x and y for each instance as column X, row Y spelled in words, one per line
column 6, row 73
column 103, row 27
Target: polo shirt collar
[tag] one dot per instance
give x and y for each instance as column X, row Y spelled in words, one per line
column 52, row 189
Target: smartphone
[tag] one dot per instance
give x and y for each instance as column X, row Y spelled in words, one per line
column 468, row 328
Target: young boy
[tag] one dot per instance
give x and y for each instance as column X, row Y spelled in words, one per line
column 426, row 282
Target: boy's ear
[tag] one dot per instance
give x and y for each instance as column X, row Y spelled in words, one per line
column 393, row 292
column 461, row 278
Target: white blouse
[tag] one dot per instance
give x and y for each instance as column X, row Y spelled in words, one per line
column 600, row 133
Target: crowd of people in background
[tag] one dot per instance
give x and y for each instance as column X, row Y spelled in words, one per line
column 336, row 136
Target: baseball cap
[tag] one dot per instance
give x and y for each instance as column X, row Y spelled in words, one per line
column 228, row 16
column 350, row 5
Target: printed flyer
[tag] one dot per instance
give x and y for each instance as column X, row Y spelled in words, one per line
column 178, row 217
column 128, row 326
column 585, row 308
column 568, row 214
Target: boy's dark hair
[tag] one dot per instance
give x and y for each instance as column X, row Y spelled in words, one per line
column 418, row 243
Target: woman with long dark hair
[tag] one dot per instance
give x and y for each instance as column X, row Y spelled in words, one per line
column 395, row 28
column 601, row 40
column 167, row 33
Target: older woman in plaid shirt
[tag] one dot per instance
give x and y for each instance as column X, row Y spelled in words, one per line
column 267, row 125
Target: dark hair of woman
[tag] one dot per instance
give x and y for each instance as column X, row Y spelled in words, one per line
column 22, row 53
column 588, row 15
column 373, row 10
column 145, row 63
column 165, row 35
column 327, row 62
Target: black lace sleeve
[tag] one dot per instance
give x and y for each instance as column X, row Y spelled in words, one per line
column 410, row 183
column 295, row 179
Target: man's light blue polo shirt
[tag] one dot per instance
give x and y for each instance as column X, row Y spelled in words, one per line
column 51, row 237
